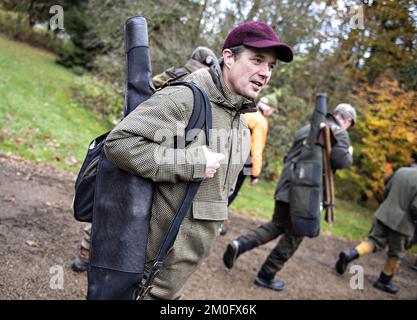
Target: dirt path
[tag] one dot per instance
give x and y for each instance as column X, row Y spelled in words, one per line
column 38, row 237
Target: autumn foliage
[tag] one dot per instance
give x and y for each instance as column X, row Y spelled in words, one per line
column 387, row 137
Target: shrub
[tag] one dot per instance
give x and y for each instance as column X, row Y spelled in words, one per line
column 70, row 56
column 16, row 26
column 387, row 136
column 104, row 98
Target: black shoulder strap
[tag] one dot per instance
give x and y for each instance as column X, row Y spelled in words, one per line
column 200, row 118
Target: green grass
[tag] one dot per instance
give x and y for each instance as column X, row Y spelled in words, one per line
column 37, row 119
column 255, row 200
column 352, row 221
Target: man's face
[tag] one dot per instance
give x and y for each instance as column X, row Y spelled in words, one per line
column 345, row 123
column 247, row 74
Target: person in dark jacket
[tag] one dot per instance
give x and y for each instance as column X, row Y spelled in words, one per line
column 394, row 226
column 342, row 118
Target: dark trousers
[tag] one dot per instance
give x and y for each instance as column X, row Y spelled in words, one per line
column 286, row 246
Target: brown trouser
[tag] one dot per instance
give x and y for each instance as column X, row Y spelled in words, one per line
column 382, row 236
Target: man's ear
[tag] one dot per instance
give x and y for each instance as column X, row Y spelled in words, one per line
column 227, row 57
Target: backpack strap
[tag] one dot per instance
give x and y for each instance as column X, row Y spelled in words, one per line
column 200, row 118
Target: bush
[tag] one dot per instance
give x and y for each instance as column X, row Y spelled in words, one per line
column 70, row 56
column 104, row 98
column 13, row 24
column 16, row 26
column 386, row 139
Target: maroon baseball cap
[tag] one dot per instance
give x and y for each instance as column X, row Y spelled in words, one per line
column 257, row 34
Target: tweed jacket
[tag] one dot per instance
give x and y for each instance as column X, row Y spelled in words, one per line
column 143, row 144
column 399, row 209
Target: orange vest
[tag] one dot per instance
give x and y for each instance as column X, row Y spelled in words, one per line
column 258, row 126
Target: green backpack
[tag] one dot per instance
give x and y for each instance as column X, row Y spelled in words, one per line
column 306, row 178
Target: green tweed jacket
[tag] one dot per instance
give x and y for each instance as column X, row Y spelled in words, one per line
column 399, row 209
column 143, row 144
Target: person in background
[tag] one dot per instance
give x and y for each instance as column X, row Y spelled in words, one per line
column 394, row 226
column 258, row 126
column 201, row 58
column 339, row 121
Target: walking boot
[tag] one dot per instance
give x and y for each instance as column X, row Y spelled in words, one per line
column 231, row 253
column 80, row 263
column 344, row 258
column 384, row 284
column 235, row 248
column 270, row 283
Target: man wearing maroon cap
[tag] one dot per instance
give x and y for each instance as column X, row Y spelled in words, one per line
column 248, row 58
column 258, row 35
column 250, row 52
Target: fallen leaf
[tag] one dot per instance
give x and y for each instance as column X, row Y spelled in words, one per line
column 31, row 243
column 52, row 204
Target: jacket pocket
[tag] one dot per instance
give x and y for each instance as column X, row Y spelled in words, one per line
column 210, row 210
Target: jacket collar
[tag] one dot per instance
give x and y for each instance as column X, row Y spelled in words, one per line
column 218, row 92
column 330, row 116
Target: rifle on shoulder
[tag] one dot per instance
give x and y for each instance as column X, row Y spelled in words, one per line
column 326, row 140
column 329, row 199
